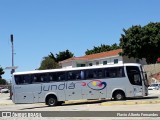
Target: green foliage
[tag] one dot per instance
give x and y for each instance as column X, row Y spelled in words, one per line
column 1, row 72
column 48, row 63
column 63, row 55
column 102, row 48
column 3, row 82
column 52, row 56
column 51, row 62
column 142, row 42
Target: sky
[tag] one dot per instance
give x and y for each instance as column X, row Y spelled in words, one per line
column 43, row 26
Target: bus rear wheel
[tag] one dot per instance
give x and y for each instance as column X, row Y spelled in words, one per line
column 119, row 95
column 51, row 101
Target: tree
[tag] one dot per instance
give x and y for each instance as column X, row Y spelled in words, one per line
column 2, row 81
column 114, row 47
column 102, row 48
column 51, row 62
column 63, row 55
column 48, row 63
column 52, row 56
column 1, row 72
column 142, row 42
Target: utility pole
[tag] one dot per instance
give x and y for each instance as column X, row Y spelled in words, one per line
column 13, row 70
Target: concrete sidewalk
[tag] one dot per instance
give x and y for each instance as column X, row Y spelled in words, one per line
column 5, row 100
column 130, row 102
column 109, row 102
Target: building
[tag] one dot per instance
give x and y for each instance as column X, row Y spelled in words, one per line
column 103, row 58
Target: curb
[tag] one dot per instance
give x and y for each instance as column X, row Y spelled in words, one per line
column 100, row 102
column 130, row 102
column 80, row 101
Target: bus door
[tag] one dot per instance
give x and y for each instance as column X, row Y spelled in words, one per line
column 135, row 79
column 138, row 88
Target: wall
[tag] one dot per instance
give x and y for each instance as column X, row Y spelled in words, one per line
column 133, row 60
column 152, row 72
column 67, row 65
column 152, row 69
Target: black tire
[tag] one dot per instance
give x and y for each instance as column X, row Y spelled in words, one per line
column 51, row 101
column 119, row 95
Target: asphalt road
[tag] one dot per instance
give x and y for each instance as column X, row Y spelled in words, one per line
column 86, row 106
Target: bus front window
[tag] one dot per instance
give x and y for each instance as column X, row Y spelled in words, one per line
column 134, row 76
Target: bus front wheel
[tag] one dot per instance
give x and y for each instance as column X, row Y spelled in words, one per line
column 51, row 101
column 119, row 95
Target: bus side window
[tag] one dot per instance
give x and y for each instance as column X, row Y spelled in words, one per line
column 106, row 72
column 114, row 72
column 98, row 73
column 52, row 77
column 61, row 76
column 26, row 79
column 44, row 77
column 78, row 75
column 74, row 75
column 22, row 79
column 89, row 74
column 35, row 78
column 71, row 75
column 82, row 75
column 121, row 72
column 17, row 79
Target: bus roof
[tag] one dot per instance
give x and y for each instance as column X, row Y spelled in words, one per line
column 76, row 68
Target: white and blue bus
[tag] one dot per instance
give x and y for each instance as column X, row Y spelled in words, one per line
column 96, row 82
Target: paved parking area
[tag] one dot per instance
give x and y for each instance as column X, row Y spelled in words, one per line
column 153, row 95
column 7, row 105
column 152, row 98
